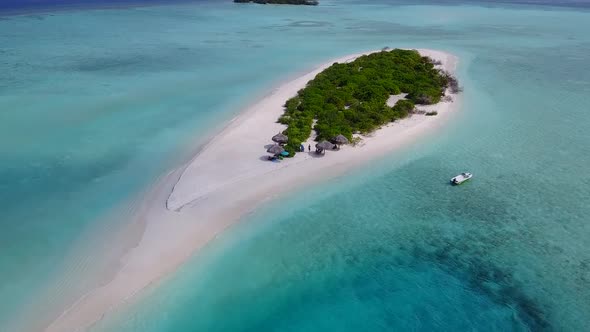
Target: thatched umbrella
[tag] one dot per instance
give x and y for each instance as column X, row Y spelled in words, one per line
column 340, row 139
column 275, row 149
column 324, row 145
column 280, row 138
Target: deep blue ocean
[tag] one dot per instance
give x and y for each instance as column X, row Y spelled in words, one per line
column 49, row 5
column 98, row 100
column 16, row 4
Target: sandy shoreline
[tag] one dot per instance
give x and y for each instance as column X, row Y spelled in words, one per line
column 229, row 178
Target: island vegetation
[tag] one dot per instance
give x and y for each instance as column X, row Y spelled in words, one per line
column 281, row 2
column 349, row 98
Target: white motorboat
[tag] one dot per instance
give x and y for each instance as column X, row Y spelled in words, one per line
column 461, row 178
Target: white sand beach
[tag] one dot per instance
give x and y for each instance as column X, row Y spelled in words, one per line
column 229, row 178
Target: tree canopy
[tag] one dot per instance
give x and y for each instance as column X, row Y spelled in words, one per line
column 347, row 98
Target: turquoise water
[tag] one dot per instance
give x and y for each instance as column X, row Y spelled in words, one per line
column 389, row 247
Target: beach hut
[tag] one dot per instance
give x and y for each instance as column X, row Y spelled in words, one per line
column 275, row 149
column 323, row 146
column 340, row 139
column 280, row 138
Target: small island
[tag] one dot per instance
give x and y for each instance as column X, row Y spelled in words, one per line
column 342, row 100
column 281, row 2
column 351, row 98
